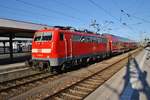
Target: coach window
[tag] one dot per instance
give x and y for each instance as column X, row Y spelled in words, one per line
column 61, row 36
column 100, row 40
column 76, row 38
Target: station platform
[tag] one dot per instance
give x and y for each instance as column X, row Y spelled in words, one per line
column 17, row 57
column 6, row 56
column 131, row 83
column 18, row 62
column 15, row 70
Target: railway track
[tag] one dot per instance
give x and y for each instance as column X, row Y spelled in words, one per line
column 79, row 90
column 16, row 73
column 17, row 86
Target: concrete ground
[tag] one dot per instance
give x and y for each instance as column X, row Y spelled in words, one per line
column 131, row 83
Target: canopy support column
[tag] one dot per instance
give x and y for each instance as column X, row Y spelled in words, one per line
column 11, row 46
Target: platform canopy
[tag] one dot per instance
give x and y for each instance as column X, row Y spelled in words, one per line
column 13, row 29
column 18, row 28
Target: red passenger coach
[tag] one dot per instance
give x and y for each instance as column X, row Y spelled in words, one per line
column 58, row 47
column 114, row 43
column 119, row 44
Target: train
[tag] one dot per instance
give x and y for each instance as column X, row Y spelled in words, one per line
column 59, row 47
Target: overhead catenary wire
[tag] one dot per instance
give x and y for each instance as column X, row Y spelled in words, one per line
column 49, row 9
column 23, row 12
column 130, row 15
column 136, row 17
column 121, row 20
column 26, row 12
column 117, row 6
column 70, row 7
column 17, row 15
column 101, row 8
column 107, row 12
column 104, row 10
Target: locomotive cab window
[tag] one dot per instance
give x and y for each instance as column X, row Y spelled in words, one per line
column 61, row 36
column 37, row 37
column 47, row 36
column 43, row 36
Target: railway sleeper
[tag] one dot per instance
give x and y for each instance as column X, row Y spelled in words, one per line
column 4, row 87
column 24, row 80
column 14, row 90
column 87, row 85
column 19, row 82
column 23, row 87
column 106, row 76
column 72, row 91
column 8, row 84
column 110, row 72
column 75, row 93
column 95, row 79
column 83, row 88
column 77, row 88
column 92, row 82
column 4, row 94
column 1, row 87
column 66, row 96
column 56, row 98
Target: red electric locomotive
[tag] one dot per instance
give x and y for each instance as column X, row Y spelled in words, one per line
column 57, row 47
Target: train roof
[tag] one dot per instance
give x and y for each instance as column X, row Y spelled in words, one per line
column 117, row 38
column 73, row 30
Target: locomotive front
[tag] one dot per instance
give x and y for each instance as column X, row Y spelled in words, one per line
column 42, row 47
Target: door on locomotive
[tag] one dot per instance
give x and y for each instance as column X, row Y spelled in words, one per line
column 68, row 45
column 64, row 50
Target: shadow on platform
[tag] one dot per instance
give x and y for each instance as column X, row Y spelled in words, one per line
column 135, row 82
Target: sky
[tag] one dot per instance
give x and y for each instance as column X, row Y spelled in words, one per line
column 126, row 18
